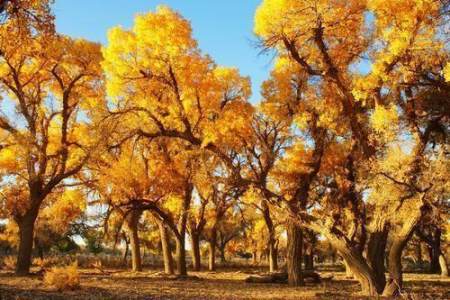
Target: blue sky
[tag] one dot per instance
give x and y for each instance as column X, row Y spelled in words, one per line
column 224, row 29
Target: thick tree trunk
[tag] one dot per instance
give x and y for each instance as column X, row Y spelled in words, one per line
column 132, row 225
column 181, row 256
column 357, row 265
column 363, row 273
column 294, row 254
column 26, row 232
column 434, row 260
column 376, row 250
column 195, row 245
column 166, row 251
column 395, row 282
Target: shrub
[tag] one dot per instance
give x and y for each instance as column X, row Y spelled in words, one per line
column 63, row 278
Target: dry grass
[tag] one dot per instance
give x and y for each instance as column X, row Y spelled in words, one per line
column 226, row 284
column 63, row 278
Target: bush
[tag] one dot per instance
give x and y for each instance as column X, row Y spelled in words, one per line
column 63, row 278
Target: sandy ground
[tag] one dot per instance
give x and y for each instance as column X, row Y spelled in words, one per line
column 225, row 284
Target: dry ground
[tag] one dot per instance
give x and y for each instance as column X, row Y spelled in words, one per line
column 226, row 284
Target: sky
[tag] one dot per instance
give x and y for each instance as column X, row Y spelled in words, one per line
column 224, row 29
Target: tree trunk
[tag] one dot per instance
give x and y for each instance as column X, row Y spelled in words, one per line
column 395, row 281
column 195, row 245
column 294, row 254
column 182, row 226
column 348, row 271
column 271, row 244
column 356, row 264
column 363, row 273
column 166, row 251
column 125, row 253
column 376, row 252
column 434, row 260
column 212, row 250
column 212, row 255
column 254, row 258
column 26, row 232
column 443, row 265
column 181, row 256
column 273, row 256
column 419, row 253
column 132, row 225
column 222, row 254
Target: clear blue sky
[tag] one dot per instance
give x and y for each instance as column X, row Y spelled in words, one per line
column 224, row 29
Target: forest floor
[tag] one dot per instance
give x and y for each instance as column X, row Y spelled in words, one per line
column 224, row 284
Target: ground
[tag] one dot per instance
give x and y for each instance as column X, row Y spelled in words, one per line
column 226, row 284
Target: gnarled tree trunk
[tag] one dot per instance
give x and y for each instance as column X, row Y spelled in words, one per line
column 395, row 282
column 376, row 249
column 294, row 254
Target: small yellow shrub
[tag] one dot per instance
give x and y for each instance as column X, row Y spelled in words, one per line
column 9, row 262
column 63, row 278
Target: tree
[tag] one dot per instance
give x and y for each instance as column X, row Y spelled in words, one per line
column 350, row 133
column 270, row 137
column 55, row 86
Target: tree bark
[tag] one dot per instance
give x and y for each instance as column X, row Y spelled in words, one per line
column 294, row 254
column 132, row 225
column 125, row 253
column 166, row 251
column 376, row 250
column 443, row 265
column 222, row 254
column 395, row 282
column 195, row 245
column 181, row 256
column 348, row 271
column 363, row 273
column 26, row 232
column 273, row 256
column 356, row 264
column 212, row 255
column 271, row 243
column 418, row 253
